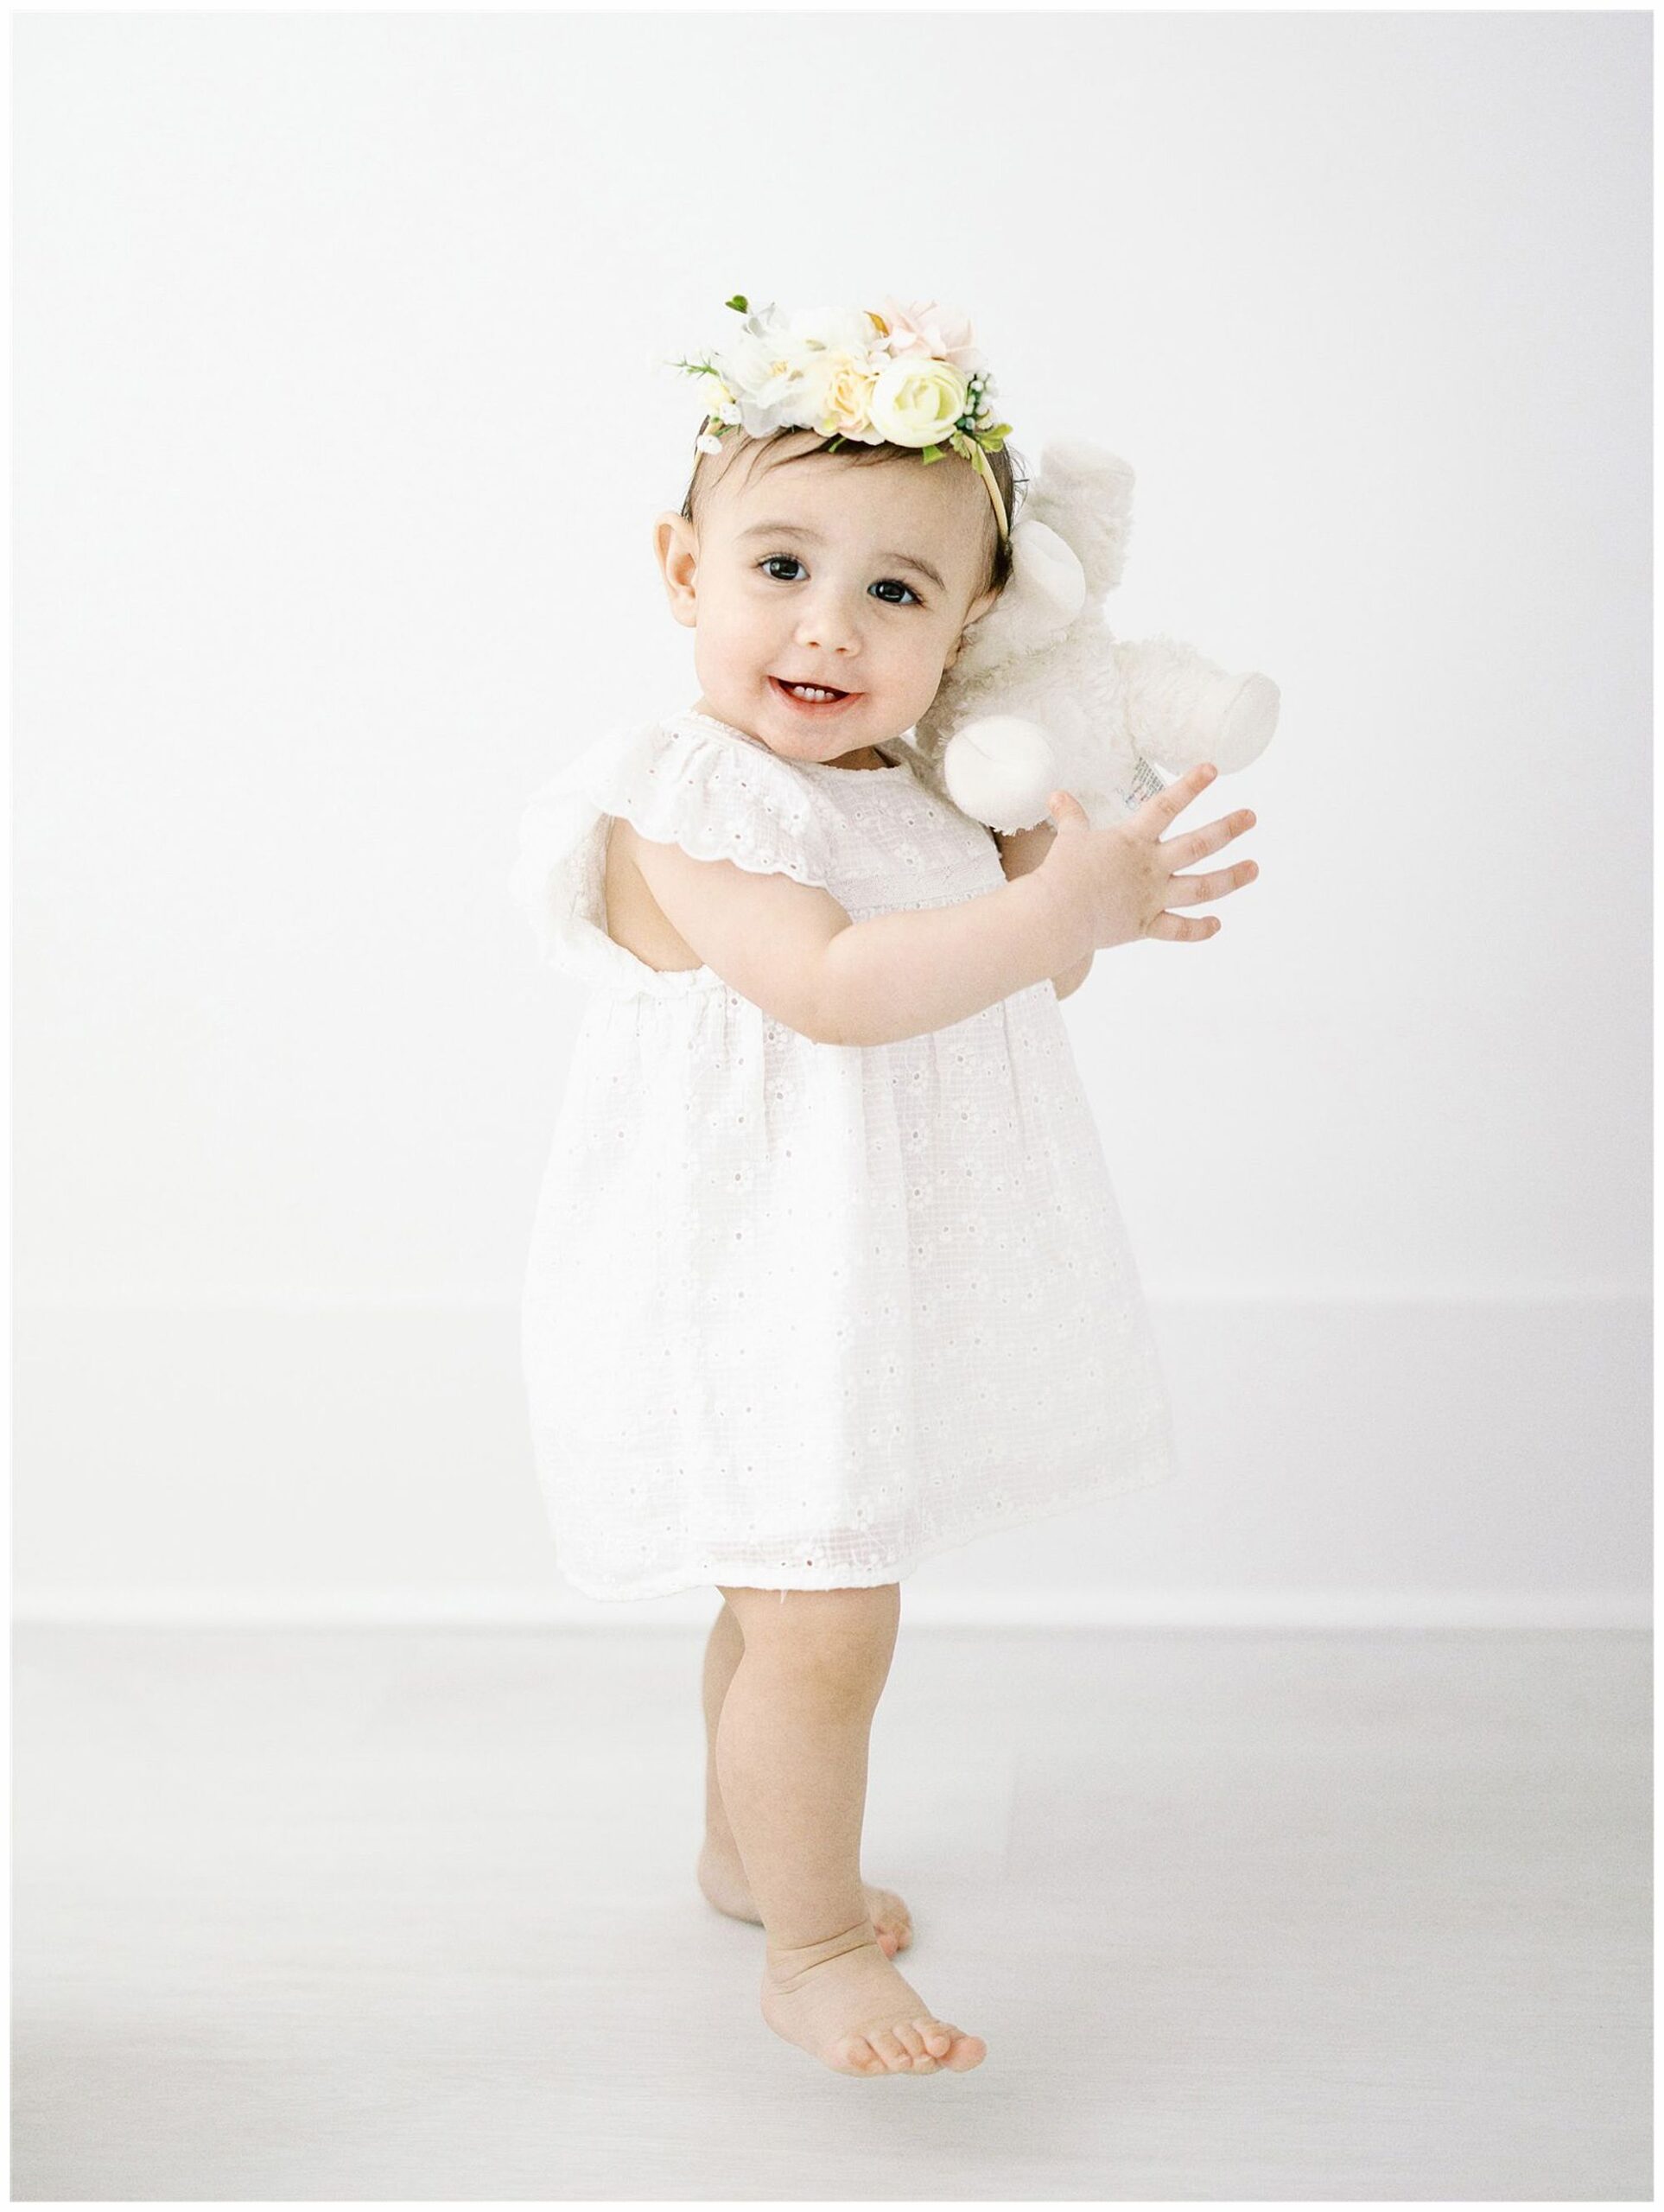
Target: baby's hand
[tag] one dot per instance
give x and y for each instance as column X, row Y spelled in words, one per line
column 1122, row 881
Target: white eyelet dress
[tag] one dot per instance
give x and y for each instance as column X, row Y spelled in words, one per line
column 797, row 1315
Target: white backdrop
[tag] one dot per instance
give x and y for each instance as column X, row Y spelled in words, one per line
column 339, row 431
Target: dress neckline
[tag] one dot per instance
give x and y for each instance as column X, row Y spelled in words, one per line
column 823, row 768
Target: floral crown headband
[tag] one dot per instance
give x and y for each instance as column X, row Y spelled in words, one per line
column 907, row 375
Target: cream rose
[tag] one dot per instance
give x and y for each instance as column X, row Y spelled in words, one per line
column 917, row 402
column 840, row 388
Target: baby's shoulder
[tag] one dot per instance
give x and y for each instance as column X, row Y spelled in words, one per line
column 674, row 780
column 686, row 780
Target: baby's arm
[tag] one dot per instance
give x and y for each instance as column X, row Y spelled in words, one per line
column 791, row 950
column 1020, row 852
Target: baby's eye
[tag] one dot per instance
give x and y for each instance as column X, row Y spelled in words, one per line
column 791, row 561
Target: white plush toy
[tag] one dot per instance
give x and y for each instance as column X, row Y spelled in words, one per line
column 1044, row 697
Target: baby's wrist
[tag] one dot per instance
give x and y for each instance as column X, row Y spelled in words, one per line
column 1060, row 918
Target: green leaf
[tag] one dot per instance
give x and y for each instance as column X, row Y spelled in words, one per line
column 739, row 303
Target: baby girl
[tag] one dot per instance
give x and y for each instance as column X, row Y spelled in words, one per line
column 827, row 1275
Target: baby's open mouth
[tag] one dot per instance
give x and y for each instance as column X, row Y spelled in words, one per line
column 811, row 695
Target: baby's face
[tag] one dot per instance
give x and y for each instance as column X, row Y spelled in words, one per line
column 857, row 576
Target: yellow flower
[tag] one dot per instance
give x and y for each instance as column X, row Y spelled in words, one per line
column 917, row 401
column 841, row 388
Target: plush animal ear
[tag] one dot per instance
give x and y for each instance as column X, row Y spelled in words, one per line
column 1046, row 592
column 1047, row 577
column 1084, row 492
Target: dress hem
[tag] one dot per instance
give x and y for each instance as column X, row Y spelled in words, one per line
column 713, row 1571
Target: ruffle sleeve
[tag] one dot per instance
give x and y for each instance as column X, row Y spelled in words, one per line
column 687, row 783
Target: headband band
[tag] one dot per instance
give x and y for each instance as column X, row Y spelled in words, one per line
column 908, row 374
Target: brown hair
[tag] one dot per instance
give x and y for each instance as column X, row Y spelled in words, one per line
column 1009, row 477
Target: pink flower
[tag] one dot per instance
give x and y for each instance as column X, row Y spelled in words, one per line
column 923, row 326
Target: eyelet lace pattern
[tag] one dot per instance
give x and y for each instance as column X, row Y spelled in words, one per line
column 798, row 1315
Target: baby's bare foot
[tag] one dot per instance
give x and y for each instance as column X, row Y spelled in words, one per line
column 845, row 2004
column 722, row 1878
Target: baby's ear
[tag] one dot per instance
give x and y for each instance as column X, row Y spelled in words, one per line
column 986, row 605
column 677, row 552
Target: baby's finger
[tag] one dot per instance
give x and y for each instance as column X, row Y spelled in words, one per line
column 1162, row 807
column 1191, row 890
column 1183, row 929
column 1197, row 844
column 1067, row 811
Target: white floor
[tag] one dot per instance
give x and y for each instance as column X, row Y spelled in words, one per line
column 401, row 1914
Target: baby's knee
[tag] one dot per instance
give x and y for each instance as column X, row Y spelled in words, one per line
column 836, row 1636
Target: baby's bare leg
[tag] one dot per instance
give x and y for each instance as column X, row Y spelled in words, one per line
column 722, row 1654
column 791, row 1751
column 719, row 1870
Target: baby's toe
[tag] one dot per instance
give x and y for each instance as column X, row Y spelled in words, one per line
column 859, row 2055
column 935, row 2039
column 912, row 2042
column 890, row 2048
column 966, row 2050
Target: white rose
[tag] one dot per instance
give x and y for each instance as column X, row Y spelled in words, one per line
column 833, row 330
column 916, row 402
